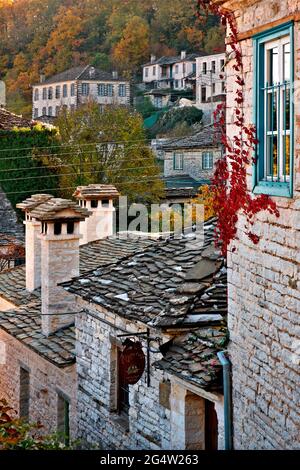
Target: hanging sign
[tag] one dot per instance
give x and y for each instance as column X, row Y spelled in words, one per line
column 131, row 362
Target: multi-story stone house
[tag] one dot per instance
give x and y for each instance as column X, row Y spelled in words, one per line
column 169, row 72
column 264, row 283
column 189, row 162
column 69, row 316
column 210, row 83
column 76, row 86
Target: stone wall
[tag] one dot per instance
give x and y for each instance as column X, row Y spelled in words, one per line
column 264, row 285
column 46, row 382
column 192, row 163
column 158, row 414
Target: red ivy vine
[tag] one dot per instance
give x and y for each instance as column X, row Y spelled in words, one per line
column 229, row 183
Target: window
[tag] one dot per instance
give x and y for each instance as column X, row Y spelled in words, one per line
column 122, row 89
column 222, row 65
column 176, row 68
column 213, row 88
column 85, row 89
column 57, row 92
column 154, row 70
column 274, row 112
column 44, row 93
column 176, row 84
column 106, row 89
column 110, row 89
column 50, row 111
column 101, row 89
column 57, row 109
column 70, row 227
column 44, row 113
column 36, row 94
column 203, row 94
column 207, row 160
column 72, row 89
column 50, row 93
column 213, row 66
column 183, row 67
column 146, row 72
column 204, row 68
column 63, row 418
column 178, row 161
column 123, row 393
column 65, row 90
column 223, row 87
column 57, row 228
column 24, row 393
column 36, row 112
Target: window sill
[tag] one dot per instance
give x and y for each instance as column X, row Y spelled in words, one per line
column 273, row 189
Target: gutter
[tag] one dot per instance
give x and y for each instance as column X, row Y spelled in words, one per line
column 227, row 399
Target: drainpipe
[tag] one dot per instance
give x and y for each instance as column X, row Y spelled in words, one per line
column 227, row 400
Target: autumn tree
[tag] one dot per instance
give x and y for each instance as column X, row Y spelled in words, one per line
column 106, row 147
column 134, row 47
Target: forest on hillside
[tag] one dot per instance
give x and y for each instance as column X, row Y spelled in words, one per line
column 48, row 36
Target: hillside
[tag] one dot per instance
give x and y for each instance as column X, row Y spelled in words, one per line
column 48, row 36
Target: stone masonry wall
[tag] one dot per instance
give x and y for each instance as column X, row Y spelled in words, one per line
column 264, row 285
column 46, row 380
column 98, row 422
column 192, row 163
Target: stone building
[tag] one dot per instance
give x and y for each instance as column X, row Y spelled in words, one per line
column 171, row 298
column 37, row 336
column 76, row 86
column 189, row 162
column 210, row 84
column 264, row 284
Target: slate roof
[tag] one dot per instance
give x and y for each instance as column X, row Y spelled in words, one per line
column 192, row 356
column 51, row 208
column 162, row 285
column 10, row 120
column 24, row 321
column 32, row 202
column 96, row 191
column 80, row 73
column 169, row 60
column 207, row 137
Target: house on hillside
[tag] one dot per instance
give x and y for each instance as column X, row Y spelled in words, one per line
column 210, row 84
column 76, row 86
column 189, row 162
column 264, row 283
column 114, row 341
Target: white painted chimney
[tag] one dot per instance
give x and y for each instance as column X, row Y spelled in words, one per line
column 59, row 239
column 98, row 199
column 152, row 58
column 183, row 55
column 32, row 242
column 115, row 75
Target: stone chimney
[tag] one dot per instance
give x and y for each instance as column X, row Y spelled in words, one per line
column 59, row 239
column 183, row 55
column 152, row 58
column 98, row 199
column 32, row 242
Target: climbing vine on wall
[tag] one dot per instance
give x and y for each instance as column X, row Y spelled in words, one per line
column 229, row 184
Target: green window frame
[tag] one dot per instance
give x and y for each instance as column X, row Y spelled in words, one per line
column 177, row 161
column 274, row 111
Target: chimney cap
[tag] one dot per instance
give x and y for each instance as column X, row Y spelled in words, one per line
column 96, row 191
column 32, row 202
column 52, row 210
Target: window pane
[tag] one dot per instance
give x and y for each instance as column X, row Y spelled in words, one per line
column 287, row 62
column 272, row 111
column 272, row 155
column 287, row 107
column 273, row 71
column 286, row 163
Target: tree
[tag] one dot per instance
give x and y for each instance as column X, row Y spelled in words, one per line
column 107, row 147
column 16, row 434
column 134, row 47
